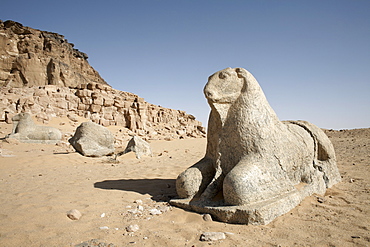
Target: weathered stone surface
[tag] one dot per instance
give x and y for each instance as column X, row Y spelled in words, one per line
column 139, row 146
column 25, row 130
column 32, row 57
column 93, row 140
column 262, row 167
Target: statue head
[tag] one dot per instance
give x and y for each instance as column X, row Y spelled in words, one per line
column 224, row 87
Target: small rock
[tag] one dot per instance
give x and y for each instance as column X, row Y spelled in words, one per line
column 212, row 236
column 72, row 117
column 102, row 215
column 207, row 217
column 74, row 214
column 103, row 228
column 320, row 199
column 155, row 211
column 164, row 208
column 138, row 202
column 94, row 242
column 132, row 228
column 351, row 180
column 134, row 211
column 140, row 208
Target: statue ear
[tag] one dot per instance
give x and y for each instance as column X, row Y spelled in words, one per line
column 242, row 73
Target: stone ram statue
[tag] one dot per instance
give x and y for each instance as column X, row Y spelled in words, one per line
column 25, row 130
column 255, row 167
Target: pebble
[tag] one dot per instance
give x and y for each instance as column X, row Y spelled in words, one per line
column 94, row 242
column 103, row 228
column 164, row 208
column 320, row 199
column 138, row 201
column 155, row 211
column 132, row 228
column 74, row 214
column 135, row 211
column 207, row 217
column 212, row 236
column 102, row 215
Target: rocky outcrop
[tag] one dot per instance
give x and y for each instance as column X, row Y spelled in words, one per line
column 41, row 73
column 101, row 104
column 30, row 57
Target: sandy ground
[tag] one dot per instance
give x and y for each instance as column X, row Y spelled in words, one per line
column 39, row 183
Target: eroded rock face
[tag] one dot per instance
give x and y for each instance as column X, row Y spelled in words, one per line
column 31, row 57
column 262, row 167
column 93, row 140
column 25, row 130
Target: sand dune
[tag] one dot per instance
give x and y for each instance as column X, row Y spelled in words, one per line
column 39, row 183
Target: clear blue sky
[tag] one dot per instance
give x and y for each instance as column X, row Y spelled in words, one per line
column 312, row 58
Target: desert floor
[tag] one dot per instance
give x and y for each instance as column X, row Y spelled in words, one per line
column 39, row 183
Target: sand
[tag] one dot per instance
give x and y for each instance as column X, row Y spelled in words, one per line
column 39, row 183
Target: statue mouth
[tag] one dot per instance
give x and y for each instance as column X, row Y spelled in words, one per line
column 222, row 109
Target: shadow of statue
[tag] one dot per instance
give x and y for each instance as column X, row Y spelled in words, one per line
column 160, row 190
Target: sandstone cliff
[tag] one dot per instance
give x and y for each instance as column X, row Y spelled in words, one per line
column 31, row 57
column 41, row 73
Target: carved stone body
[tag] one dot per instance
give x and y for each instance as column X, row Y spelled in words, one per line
column 25, row 130
column 252, row 157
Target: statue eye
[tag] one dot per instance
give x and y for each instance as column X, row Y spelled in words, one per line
column 222, row 75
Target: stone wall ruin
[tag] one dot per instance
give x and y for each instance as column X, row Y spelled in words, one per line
column 101, row 104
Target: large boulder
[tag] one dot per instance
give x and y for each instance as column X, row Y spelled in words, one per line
column 25, row 130
column 93, row 140
column 256, row 167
